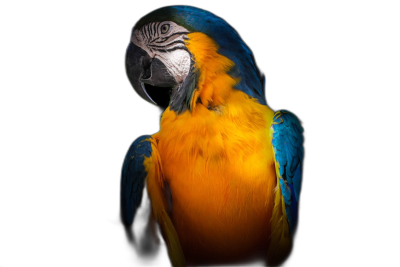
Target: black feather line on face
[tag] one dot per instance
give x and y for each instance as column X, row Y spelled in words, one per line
column 147, row 32
column 167, row 38
column 150, row 31
column 172, row 49
column 155, row 39
column 177, row 48
column 153, row 30
column 163, row 46
column 142, row 32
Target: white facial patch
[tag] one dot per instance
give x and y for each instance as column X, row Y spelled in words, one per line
column 166, row 42
column 177, row 63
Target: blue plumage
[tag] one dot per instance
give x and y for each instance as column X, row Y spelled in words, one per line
column 135, row 207
column 133, row 178
column 297, row 182
column 286, row 192
column 287, row 141
column 293, row 208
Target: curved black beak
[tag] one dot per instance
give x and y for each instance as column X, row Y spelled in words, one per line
column 149, row 76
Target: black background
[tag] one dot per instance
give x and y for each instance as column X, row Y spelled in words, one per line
column 100, row 115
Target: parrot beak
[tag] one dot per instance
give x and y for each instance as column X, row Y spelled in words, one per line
column 149, row 76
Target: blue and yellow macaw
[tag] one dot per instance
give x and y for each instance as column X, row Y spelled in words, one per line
column 224, row 172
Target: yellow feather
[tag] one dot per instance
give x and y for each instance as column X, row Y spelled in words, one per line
column 155, row 183
column 214, row 84
column 174, row 247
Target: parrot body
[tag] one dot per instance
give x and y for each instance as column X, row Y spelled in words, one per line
column 222, row 186
column 224, row 171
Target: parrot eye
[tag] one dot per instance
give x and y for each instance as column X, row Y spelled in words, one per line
column 164, row 28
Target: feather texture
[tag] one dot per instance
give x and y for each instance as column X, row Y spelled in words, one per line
column 134, row 203
column 281, row 241
column 133, row 177
column 143, row 163
column 219, row 164
column 287, row 141
column 155, row 184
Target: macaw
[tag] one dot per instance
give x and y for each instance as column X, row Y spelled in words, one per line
column 224, row 172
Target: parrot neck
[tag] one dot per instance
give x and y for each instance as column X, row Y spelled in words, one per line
column 214, row 84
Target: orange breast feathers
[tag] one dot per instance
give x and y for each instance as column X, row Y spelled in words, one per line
column 218, row 162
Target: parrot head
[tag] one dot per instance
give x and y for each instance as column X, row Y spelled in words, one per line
column 174, row 50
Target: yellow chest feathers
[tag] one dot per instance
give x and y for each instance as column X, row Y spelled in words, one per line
column 233, row 137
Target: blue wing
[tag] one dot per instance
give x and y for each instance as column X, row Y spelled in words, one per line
column 133, row 178
column 287, row 141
